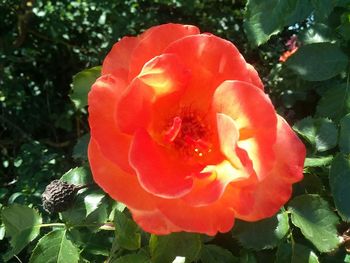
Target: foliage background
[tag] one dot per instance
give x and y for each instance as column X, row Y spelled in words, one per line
column 43, row 131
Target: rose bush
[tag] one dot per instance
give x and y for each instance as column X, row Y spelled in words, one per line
column 183, row 134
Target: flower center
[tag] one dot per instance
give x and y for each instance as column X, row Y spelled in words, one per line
column 188, row 134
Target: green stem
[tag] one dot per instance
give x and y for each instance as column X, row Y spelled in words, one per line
column 105, row 226
column 53, row 225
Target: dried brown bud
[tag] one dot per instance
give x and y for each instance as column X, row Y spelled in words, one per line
column 59, row 196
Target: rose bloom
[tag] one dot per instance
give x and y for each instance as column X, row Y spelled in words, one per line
column 183, row 134
column 292, row 45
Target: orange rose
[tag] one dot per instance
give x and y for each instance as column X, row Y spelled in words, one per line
column 183, row 134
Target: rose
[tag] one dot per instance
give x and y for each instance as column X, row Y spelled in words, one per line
column 183, row 134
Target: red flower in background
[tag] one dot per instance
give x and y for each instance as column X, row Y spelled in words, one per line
column 292, row 48
column 183, row 134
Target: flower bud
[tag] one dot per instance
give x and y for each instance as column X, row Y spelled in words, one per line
column 59, row 196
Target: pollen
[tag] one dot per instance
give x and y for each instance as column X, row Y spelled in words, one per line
column 188, row 134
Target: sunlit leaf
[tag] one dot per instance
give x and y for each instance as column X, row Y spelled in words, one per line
column 262, row 234
column 81, row 86
column 77, row 176
column 93, row 201
column 317, row 33
column 318, row 161
column 126, row 231
column 167, row 248
column 322, row 133
column 55, row 247
column 316, row 221
column 318, row 61
column 261, row 21
column 22, row 225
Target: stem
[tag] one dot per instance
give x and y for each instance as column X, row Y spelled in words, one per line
column 19, row 260
column 105, row 226
column 53, row 225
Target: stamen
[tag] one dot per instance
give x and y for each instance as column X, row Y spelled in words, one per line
column 199, row 145
column 188, row 134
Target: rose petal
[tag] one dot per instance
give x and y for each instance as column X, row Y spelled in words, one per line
column 102, row 100
column 208, row 189
column 120, row 185
column 118, row 59
column 254, row 77
column 206, row 219
column 154, row 41
column 275, row 190
column 160, row 171
column 154, row 222
column 164, row 79
column 212, row 61
column 255, row 118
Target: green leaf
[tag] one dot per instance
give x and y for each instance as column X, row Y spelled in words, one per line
column 318, row 61
column 126, row 231
column 344, row 135
column 339, row 180
column 80, row 149
column 311, row 184
column 97, row 217
column 55, row 248
column 98, row 243
column 326, row 136
column 321, row 133
column 335, row 102
column 303, row 254
column 22, row 224
column 78, row 213
column 284, row 253
column 316, row 221
column 132, row 258
column 77, row 176
column 2, row 232
column 322, row 8
column 167, row 248
column 261, row 21
column 214, row 254
column 93, row 201
column 318, row 161
column 262, row 234
column 317, row 33
column 81, row 86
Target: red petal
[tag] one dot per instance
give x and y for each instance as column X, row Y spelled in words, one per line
column 275, row 190
column 159, row 170
column 163, row 78
column 206, row 219
column 102, row 100
column 255, row 118
column 209, row 189
column 254, row 77
column 154, row 222
column 154, row 41
column 120, row 185
column 213, row 60
column 118, row 59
